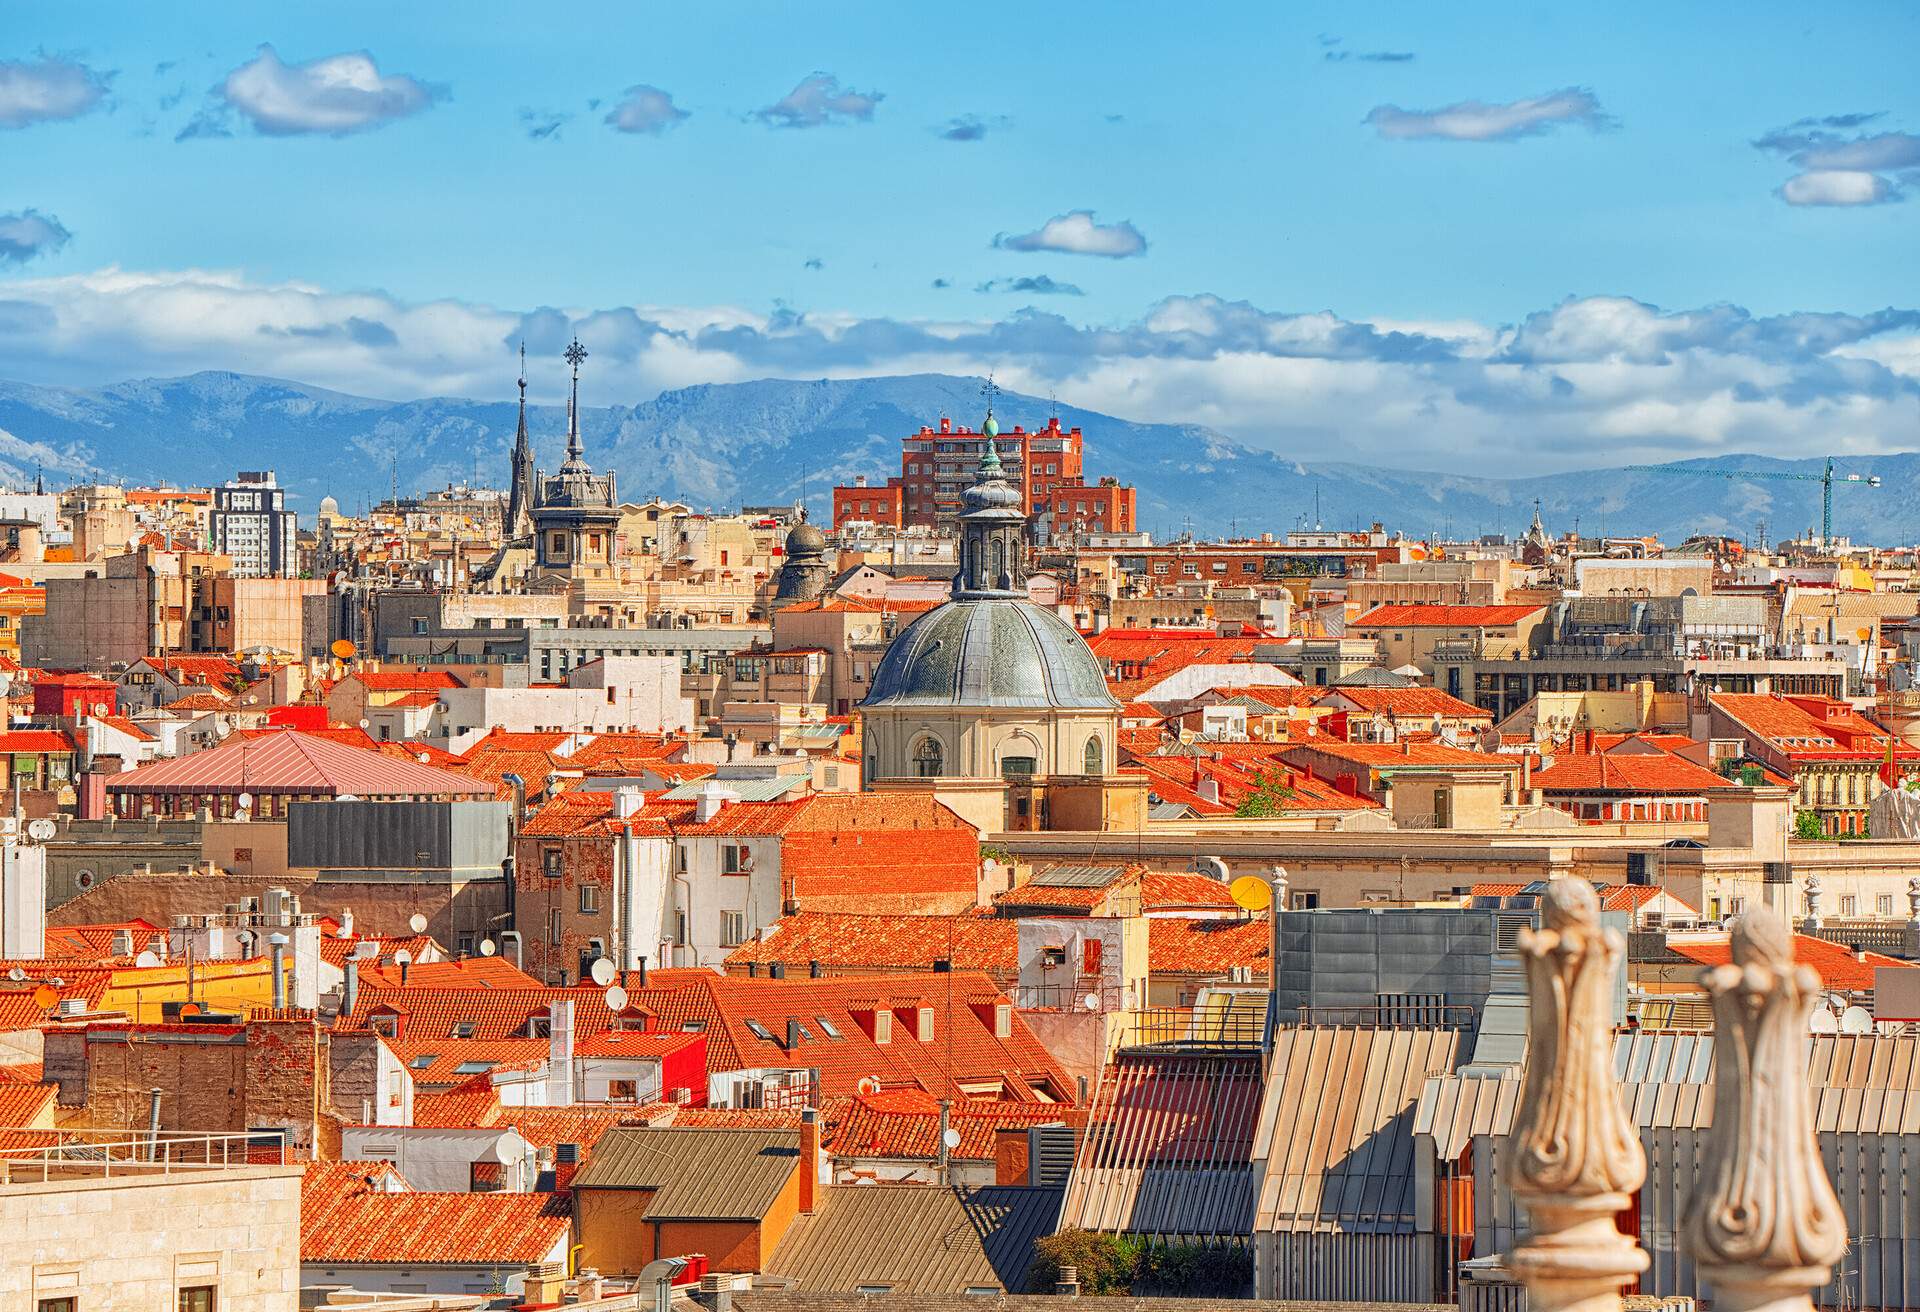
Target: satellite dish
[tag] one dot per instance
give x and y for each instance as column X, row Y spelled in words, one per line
column 602, row 971
column 1251, row 893
column 45, row 996
column 364, row 722
column 1838, row 1003
column 867, row 1085
column 343, row 648
column 951, row 1138
column 190, row 1009
column 42, row 829
column 1092, row 1001
column 616, row 998
column 16, row 974
column 403, row 958
column 417, row 923
column 147, row 958
column 221, row 729
column 487, row 947
column 244, row 801
column 1822, row 1022
column 1856, row 1020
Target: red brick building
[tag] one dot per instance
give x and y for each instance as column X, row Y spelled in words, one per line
column 937, row 464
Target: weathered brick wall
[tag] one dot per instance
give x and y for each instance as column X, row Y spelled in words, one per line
column 285, row 1081
column 583, row 860
column 200, row 1076
column 353, row 1068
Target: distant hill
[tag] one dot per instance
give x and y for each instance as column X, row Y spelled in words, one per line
column 779, row 440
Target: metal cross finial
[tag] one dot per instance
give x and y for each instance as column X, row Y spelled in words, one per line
column 988, row 390
column 575, row 354
column 523, row 367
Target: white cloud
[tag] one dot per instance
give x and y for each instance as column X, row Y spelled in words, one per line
column 1592, row 381
column 333, row 95
column 1837, row 187
column 817, row 101
column 645, row 109
column 46, row 90
column 29, row 233
column 1478, row 120
column 1076, row 233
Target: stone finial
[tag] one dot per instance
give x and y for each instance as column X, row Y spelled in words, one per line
column 1573, row 1157
column 1279, row 881
column 1815, row 889
column 1763, row 1224
column 1913, row 899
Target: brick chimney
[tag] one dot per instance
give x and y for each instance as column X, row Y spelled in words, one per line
column 809, row 1161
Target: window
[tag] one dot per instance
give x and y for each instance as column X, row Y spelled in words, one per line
column 195, row 1298
column 550, row 862
column 759, row 1031
column 733, row 928
column 1884, row 904
column 730, row 859
column 473, row 1068
column 680, row 927
column 1093, row 759
column 589, row 899
column 928, row 758
column 1016, row 767
column 463, row 1029
column 1849, row 905
column 623, row 1091
column 553, row 926
column 424, row 1060
column 827, row 1027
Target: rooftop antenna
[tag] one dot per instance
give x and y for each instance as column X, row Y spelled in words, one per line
column 1053, row 405
column 1317, row 525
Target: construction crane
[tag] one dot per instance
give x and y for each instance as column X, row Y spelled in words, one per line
column 1826, row 479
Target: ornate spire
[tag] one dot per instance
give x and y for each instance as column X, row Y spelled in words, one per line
column 1763, row 1223
column 520, row 488
column 576, row 454
column 1574, row 1157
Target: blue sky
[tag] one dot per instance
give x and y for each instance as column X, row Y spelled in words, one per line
column 1330, row 229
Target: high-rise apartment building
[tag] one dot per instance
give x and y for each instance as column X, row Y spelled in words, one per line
column 251, row 524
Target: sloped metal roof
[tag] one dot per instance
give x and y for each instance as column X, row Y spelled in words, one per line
column 706, row 1174
column 990, row 651
column 918, row 1239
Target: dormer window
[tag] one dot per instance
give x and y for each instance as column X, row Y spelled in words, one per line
column 540, row 1027
column 463, row 1029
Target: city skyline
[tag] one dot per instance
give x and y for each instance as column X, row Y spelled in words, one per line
column 1390, row 240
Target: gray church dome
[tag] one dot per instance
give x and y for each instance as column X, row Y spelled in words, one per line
column 990, row 651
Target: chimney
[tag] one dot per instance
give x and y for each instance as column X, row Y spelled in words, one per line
column 793, row 1033
column 1208, row 787
column 566, row 1165
column 346, row 923
column 350, row 989
column 809, row 1160
column 946, row 1123
column 815, row 970
column 640, row 973
column 277, row 947
column 627, row 801
column 708, row 801
column 122, row 943
column 777, row 970
column 1067, row 1283
column 560, row 1049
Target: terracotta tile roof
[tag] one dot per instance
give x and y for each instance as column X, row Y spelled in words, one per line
column 19, row 1010
column 1410, row 702
column 1810, row 728
column 1442, row 617
column 1282, row 699
column 200, row 701
column 892, row 942
column 494, row 1013
column 626, row 750
column 126, row 726
column 437, row 1060
column 403, row 680
column 345, row 1219
column 576, row 811
column 905, row 1123
column 288, row 761
column 1051, row 895
column 95, row 942
column 205, row 669
column 33, row 742
column 1160, row 892
column 636, row 1044
column 1622, row 773
column 1833, row 962
column 22, row 1103
column 1182, row 945
column 1613, row 897
column 415, row 700
column 1387, row 755
column 335, row 950
column 468, row 972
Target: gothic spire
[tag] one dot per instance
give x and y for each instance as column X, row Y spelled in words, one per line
column 520, row 488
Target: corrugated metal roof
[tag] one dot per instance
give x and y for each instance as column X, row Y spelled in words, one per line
column 720, row 1174
column 768, row 789
column 1077, row 876
column 919, row 1239
column 1168, row 1146
column 289, row 761
column 1452, row 1109
column 1336, row 1127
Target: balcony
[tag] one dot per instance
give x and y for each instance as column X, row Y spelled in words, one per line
column 106, row 1154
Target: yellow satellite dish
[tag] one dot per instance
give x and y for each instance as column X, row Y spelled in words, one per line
column 1251, row 893
column 1863, row 634
column 343, row 648
column 45, row 995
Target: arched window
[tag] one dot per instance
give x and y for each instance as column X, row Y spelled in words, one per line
column 999, row 562
column 927, row 758
column 1095, row 760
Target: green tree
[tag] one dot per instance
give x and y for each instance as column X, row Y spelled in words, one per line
column 1270, row 795
column 1807, row 825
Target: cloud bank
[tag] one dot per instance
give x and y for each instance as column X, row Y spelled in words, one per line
column 334, row 95
column 645, row 110
column 1076, row 233
column 1595, row 380
column 1841, row 169
column 1479, row 120
column 818, row 101
column 47, row 90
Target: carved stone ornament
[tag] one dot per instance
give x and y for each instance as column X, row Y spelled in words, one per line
column 1573, row 1157
column 1763, row 1223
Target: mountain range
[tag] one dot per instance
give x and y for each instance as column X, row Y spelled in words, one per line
column 777, row 441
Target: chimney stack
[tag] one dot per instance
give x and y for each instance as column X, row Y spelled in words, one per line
column 277, row 947
column 350, row 989
column 809, row 1160
column 1067, row 1284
